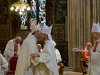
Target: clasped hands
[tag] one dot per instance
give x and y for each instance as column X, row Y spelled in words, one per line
column 33, row 55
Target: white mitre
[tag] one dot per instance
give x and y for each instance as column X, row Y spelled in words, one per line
column 32, row 22
column 46, row 29
column 34, row 27
column 96, row 28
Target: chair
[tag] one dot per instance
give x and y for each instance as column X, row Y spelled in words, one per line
column 83, row 68
column 12, row 65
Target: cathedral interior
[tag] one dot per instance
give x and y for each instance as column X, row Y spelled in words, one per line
column 72, row 21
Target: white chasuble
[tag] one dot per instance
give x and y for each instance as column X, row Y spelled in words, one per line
column 25, row 64
column 48, row 64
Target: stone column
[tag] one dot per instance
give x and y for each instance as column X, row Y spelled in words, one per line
column 96, row 10
column 79, row 29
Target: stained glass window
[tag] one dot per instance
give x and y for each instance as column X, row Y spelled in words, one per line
column 42, row 11
column 23, row 18
column 34, row 9
column 38, row 13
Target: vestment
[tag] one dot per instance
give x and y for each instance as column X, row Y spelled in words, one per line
column 47, row 60
column 26, row 63
column 3, row 65
column 9, row 50
column 85, row 57
column 94, row 61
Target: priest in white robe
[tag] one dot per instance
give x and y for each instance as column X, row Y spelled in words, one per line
column 48, row 64
column 94, row 61
column 12, row 48
column 3, row 65
column 26, row 60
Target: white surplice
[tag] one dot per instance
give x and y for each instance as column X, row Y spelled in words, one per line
column 94, row 61
column 48, row 64
column 9, row 50
column 3, row 65
column 25, row 64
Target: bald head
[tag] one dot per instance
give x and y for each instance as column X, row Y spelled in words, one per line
column 39, row 46
column 88, row 45
column 18, row 39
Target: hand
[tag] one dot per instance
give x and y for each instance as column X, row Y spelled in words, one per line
column 35, row 55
